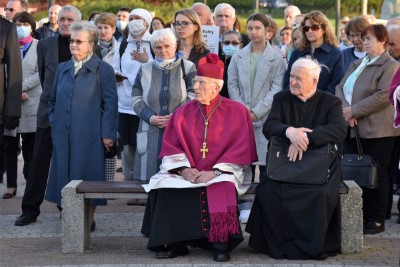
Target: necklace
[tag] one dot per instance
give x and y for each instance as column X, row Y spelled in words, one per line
column 204, row 149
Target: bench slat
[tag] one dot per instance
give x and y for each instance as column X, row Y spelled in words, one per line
column 111, row 187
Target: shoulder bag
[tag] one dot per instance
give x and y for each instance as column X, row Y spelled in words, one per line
column 359, row 167
column 313, row 168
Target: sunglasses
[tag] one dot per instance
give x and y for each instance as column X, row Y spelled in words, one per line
column 314, row 28
column 182, row 24
column 234, row 43
column 9, row 9
column 78, row 42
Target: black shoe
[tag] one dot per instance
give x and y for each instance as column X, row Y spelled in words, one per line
column 24, row 220
column 221, row 256
column 93, row 226
column 173, row 252
column 372, row 228
column 398, row 219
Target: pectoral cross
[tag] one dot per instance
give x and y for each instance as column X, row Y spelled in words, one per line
column 204, row 150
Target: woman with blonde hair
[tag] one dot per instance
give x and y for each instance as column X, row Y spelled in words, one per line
column 319, row 41
column 187, row 28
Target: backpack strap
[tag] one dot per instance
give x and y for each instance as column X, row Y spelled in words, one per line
column 122, row 48
column 183, row 71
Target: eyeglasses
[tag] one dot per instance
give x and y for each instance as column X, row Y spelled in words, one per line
column 234, row 43
column 354, row 35
column 78, row 42
column 314, row 28
column 182, row 24
column 202, row 83
column 9, row 9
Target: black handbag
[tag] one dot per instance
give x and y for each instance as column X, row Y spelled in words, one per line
column 313, row 168
column 359, row 167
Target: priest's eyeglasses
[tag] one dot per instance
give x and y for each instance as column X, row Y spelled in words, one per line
column 202, row 83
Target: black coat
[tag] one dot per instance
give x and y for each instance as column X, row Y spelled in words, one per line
column 10, row 71
column 292, row 220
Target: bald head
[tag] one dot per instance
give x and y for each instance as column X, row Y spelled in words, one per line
column 290, row 13
column 394, row 41
column 53, row 15
column 204, row 13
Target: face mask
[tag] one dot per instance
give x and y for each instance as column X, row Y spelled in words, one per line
column 230, row 50
column 136, row 26
column 23, row 31
column 163, row 62
column 121, row 25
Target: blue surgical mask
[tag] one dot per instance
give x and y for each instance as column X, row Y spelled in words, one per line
column 163, row 62
column 121, row 24
column 230, row 50
column 23, row 31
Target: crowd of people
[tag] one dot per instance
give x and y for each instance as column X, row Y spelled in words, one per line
column 196, row 126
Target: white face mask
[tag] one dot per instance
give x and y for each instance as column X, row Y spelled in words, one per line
column 121, row 24
column 136, row 26
column 163, row 62
column 23, row 31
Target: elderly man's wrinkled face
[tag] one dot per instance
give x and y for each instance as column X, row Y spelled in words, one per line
column 394, row 43
column 302, row 83
column 205, row 89
column 225, row 20
column 65, row 19
column 53, row 14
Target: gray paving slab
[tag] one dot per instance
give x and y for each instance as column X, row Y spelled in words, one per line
column 117, row 242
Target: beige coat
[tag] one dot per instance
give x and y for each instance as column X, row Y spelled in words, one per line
column 370, row 99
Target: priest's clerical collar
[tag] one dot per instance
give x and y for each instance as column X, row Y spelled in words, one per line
column 304, row 99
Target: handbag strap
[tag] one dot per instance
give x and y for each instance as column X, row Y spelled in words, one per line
column 358, row 141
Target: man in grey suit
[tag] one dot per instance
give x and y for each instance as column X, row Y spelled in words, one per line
column 10, row 79
column 51, row 52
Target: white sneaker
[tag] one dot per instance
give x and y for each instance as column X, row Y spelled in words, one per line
column 244, row 216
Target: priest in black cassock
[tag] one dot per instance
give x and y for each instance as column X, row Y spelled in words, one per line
column 293, row 220
column 206, row 151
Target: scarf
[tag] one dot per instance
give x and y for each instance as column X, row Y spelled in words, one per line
column 106, row 47
column 348, row 86
column 26, row 40
column 222, row 206
column 78, row 64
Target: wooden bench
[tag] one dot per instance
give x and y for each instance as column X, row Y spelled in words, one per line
column 75, row 229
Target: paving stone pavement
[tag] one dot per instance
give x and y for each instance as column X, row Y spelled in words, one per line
column 117, row 242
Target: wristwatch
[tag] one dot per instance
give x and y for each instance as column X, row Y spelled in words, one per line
column 217, row 172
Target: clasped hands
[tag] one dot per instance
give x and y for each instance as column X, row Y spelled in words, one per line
column 349, row 117
column 196, row 177
column 299, row 142
column 160, row 121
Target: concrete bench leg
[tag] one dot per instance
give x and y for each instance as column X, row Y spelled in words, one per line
column 351, row 219
column 75, row 232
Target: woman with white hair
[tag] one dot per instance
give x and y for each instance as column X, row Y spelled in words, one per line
column 83, row 116
column 160, row 87
column 128, row 58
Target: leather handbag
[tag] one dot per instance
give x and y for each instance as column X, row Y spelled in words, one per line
column 313, row 168
column 359, row 167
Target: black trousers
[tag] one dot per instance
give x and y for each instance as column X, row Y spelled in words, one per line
column 10, row 153
column 38, row 173
column 28, row 144
column 375, row 201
